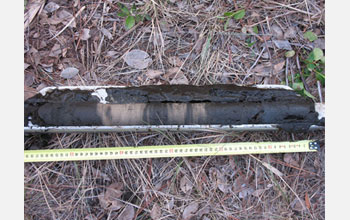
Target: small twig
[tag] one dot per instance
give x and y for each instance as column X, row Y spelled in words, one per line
column 126, row 34
column 65, row 27
column 319, row 91
column 287, row 63
column 267, row 48
column 302, row 75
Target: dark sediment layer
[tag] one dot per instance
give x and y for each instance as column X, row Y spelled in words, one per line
column 174, row 105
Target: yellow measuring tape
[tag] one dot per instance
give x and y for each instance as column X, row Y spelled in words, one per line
column 191, row 150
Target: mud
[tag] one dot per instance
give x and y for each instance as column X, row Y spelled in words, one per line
column 174, row 105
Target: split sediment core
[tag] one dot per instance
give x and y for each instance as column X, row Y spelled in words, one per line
column 172, row 105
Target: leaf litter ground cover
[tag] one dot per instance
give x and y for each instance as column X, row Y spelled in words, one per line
column 187, row 42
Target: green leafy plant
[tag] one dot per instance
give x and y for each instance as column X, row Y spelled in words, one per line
column 132, row 15
column 313, row 63
column 311, row 36
column 237, row 15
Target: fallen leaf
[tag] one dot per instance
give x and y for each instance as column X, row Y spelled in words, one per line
column 56, row 50
column 127, row 214
column 179, row 79
column 153, row 73
column 26, row 65
column 219, row 180
column 65, row 17
column 109, row 199
column 290, row 33
column 190, row 211
column 282, row 44
column 172, row 71
column 41, row 86
column 239, row 183
column 307, row 201
column 90, row 217
column 29, row 92
column 297, row 205
column 36, row 35
column 33, row 8
column 263, row 69
column 319, row 43
column 47, row 67
column 277, row 31
column 111, row 53
column 290, row 53
column 311, row 36
column 29, row 78
column 106, row 33
column 205, row 210
column 51, row 7
column 175, row 61
column 156, row 212
column 272, row 169
column 288, row 158
column 278, row 66
column 137, row 59
column 185, row 185
column 69, row 72
column 85, row 34
column 98, row 174
column 258, row 192
column 245, row 192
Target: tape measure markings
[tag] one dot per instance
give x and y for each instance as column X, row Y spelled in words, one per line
column 221, row 149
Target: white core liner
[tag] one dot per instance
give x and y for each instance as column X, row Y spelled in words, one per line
column 145, row 128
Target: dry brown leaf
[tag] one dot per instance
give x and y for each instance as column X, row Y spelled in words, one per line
column 29, row 92
column 205, row 210
column 69, row 72
column 56, row 50
column 153, row 73
column 282, row 44
column 156, row 212
column 290, row 33
column 28, row 78
column 127, row 214
column 262, row 69
column 114, row 190
column 297, row 205
column 258, row 192
column 90, row 217
column 278, row 66
column 51, row 7
column 85, row 34
column 288, row 158
column 307, row 201
column 179, row 79
column 109, row 199
column 277, row 31
column 111, row 53
column 98, row 174
column 137, row 59
column 186, row 185
column 41, row 86
column 245, row 192
column 175, row 61
column 33, row 8
column 190, row 211
column 26, row 65
column 106, row 33
column 65, row 17
column 218, row 179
